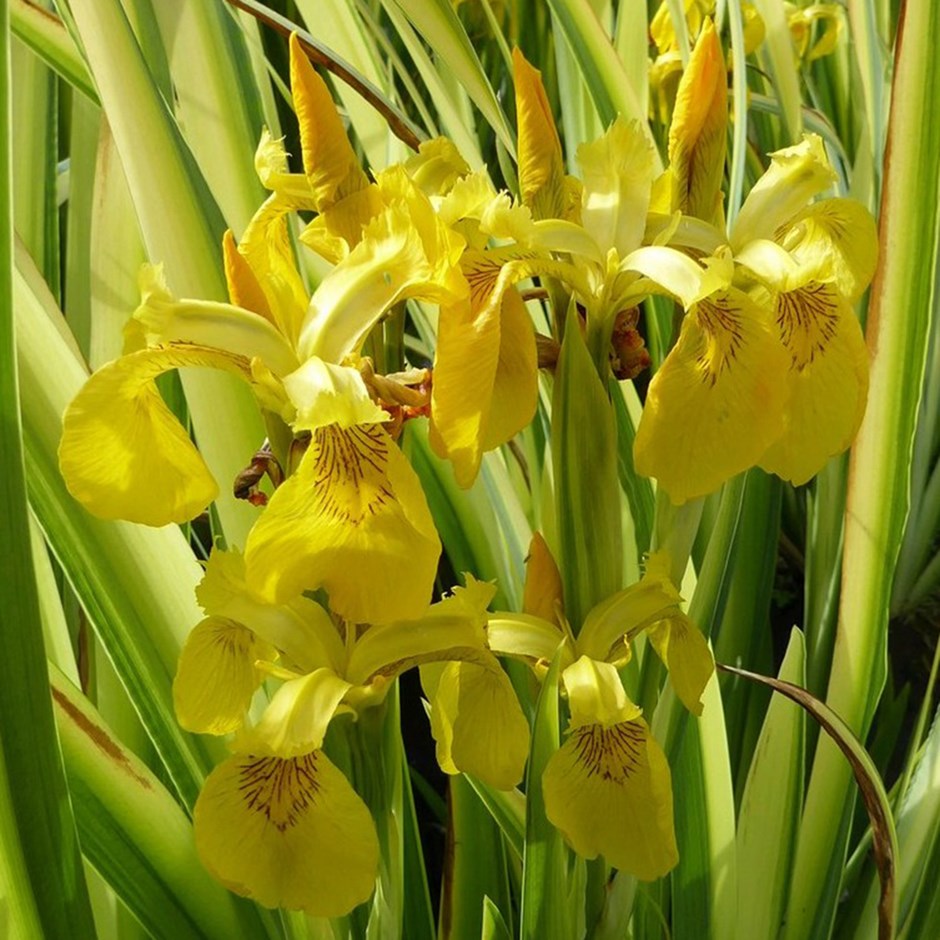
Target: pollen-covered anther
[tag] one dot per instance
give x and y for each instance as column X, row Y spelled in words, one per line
column 808, row 319
column 281, row 789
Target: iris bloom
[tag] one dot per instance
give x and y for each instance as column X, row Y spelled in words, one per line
column 608, row 788
column 585, row 234
column 771, row 369
column 352, row 500
column 277, row 821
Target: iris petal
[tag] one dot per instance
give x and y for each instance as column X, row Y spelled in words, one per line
column 353, row 520
column 124, row 455
column 717, row 402
column 609, row 791
column 827, row 381
column 287, row 832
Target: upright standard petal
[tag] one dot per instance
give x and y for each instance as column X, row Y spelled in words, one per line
column 353, row 520
column 287, row 832
column 697, row 135
column 827, row 380
column 609, row 791
column 717, row 402
column 124, row 455
column 617, row 173
column 543, row 595
column 216, row 677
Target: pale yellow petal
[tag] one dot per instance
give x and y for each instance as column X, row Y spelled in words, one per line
column 478, row 724
column 266, row 247
column 617, row 174
column 596, row 694
column 609, row 791
column 163, row 319
column 296, row 719
column 405, row 252
column 216, row 676
column 437, row 166
column 287, row 833
column 353, row 520
column 301, row 629
column 242, row 282
column 717, row 402
column 827, row 381
column 325, row 394
column 795, row 175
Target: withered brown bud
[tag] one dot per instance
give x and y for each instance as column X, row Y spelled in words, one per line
column 629, row 355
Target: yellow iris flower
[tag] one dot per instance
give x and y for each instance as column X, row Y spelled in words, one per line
column 608, row 788
column 585, row 234
column 353, row 499
column 277, row 821
column 771, row 368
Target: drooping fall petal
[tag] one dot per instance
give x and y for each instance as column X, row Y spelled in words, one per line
column 216, row 677
column 477, row 722
column 827, row 380
column 287, row 832
column 837, row 236
column 717, row 402
column 609, row 791
column 353, row 520
column 123, row 454
column 478, row 370
column 684, row 650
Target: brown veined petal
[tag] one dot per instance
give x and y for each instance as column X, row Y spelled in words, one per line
column 609, row 791
column 216, row 676
column 287, row 832
column 473, row 372
column 123, row 454
column 697, row 135
column 827, row 381
column 353, row 520
column 329, row 160
column 837, row 236
column 717, row 402
column 541, row 167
